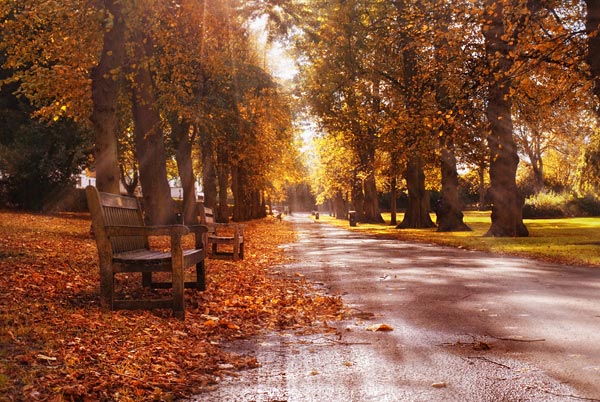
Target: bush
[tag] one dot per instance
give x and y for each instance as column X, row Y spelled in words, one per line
column 548, row 204
column 588, row 205
column 38, row 162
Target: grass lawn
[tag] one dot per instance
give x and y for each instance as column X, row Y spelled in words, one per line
column 573, row 241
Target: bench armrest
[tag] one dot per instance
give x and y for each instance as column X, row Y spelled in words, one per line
column 238, row 228
column 147, row 230
column 200, row 233
column 198, row 229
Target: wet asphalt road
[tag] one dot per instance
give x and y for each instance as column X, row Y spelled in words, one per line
column 467, row 326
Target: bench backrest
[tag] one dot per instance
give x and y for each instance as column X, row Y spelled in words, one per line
column 109, row 210
column 207, row 216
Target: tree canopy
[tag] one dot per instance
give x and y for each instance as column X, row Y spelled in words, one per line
column 404, row 93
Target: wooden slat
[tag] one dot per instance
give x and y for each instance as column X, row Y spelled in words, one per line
column 147, row 256
column 142, row 260
column 115, row 216
column 115, row 200
column 117, row 221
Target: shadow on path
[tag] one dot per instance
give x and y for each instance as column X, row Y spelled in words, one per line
column 468, row 326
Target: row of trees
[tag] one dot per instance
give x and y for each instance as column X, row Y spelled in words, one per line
column 404, row 87
column 157, row 81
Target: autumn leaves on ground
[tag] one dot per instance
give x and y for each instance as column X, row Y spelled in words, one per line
column 56, row 343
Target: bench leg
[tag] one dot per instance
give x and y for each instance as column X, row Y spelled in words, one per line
column 147, row 279
column 241, row 251
column 236, row 250
column 201, row 276
column 177, row 277
column 107, row 285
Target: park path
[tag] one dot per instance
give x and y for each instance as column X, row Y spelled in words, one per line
column 467, row 326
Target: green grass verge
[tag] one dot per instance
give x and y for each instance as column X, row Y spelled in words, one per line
column 574, row 241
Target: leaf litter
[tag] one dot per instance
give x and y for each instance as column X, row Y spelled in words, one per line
column 57, row 344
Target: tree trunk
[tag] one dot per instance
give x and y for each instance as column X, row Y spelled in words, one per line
column 241, row 197
column 507, row 202
column 105, row 94
column 394, row 201
column 223, row 169
column 183, row 156
column 369, row 212
column 449, row 212
column 450, row 216
column 358, row 197
column 538, row 173
column 265, row 204
column 593, row 55
column 371, row 205
column 209, row 175
column 340, row 207
column 482, row 192
column 130, row 183
column 417, row 212
column 159, row 207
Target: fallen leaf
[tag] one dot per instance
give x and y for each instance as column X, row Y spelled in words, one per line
column 53, row 298
column 379, row 327
column 226, row 366
column 47, row 358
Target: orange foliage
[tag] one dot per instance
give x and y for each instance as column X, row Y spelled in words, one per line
column 57, row 344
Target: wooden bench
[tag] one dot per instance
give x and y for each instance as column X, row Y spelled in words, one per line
column 222, row 234
column 123, row 247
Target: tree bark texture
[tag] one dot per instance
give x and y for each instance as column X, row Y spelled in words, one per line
column 358, row 197
column 416, row 215
column 183, row 157
column 247, row 199
column 449, row 212
column 209, row 174
column 242, row 208
column 223, row 170
column 507, row 202
column 450, row 216
column 394, row 201
column 370, row 209
column 339, row 206
column 159, row 207
column 105, row 94
column 417, row 211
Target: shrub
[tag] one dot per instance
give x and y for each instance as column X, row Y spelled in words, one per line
column 548, row 204
column 38, row 162
column 588, row 205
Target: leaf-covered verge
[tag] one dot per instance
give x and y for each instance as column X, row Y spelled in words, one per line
column 56, row 343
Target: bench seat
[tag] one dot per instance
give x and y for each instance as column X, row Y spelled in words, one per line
column 123, row 247
column 222, row 234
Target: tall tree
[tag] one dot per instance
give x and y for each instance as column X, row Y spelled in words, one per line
column 413, row 85
column 507, row 202
column 449, row 212
column 149, row 140
column 342, row 96
column 106, row 79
